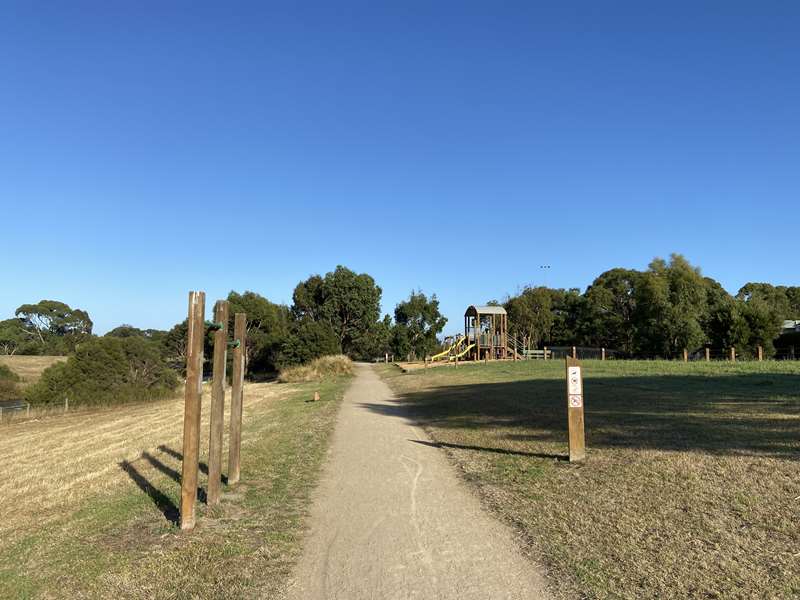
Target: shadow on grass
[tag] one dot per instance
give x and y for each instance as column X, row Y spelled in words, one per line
column 730, row 414
column 178, row 456
column 496, row 450
column 161, row 500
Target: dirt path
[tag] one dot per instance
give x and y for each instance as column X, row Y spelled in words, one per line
column 392, row 520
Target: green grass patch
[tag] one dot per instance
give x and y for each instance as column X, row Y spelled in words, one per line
column 692, row 480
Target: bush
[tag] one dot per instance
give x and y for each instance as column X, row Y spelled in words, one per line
column 106, row 370
column 8, row 384
column 308, row 340
column 320, row 368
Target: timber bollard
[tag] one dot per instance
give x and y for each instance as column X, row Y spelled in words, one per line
column 760, row 353
column 217, row 404
column 191, row 411
column 685, row 355
column 708, row 354
column 733, row 354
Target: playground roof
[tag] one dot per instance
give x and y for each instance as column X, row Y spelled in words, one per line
column 474, row 311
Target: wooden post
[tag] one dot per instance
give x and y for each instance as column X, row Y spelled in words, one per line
column 545, row 352
column 386, row 358
column 708, row 354
column 577, row 441
column 237, row 397
column 685, row 355
column 191, row 407
column 66, row 403
column 733, row 354
column 602, row 353
column 760, row 353
column 217, row 404
column 574, row 353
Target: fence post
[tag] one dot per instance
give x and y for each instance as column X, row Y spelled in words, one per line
column 191, row 411
column 217, row 403
column 602, row 353
column 574, row 352
column 575, row 421
column 685, row 355
column 760, row 353
column 545, row 352
column 733, row 354
column 237, row 396
column 708, row 354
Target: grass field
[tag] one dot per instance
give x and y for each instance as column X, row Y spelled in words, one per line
column 692, row 484
column 29, row 368
column 90, row 500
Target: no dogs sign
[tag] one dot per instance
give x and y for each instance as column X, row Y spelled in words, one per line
column 577, row 444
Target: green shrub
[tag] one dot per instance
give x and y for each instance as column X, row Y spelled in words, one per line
column 308, row 340
column 318, row 369
column 106, row 370
column 8, row 384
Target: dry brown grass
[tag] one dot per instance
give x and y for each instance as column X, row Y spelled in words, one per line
column 52, row 464
column 29, row 368
column 692, row 484
column 318, row 369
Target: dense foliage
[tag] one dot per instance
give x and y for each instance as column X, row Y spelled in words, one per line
column 47, row 327
column 657, row 312
column 418, row 322
column 8, row 384
column 106, row 370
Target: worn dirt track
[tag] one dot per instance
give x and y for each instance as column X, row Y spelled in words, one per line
column 391, row 519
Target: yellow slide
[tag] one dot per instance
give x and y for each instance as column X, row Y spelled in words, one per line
column 463, row 352
column 453, row 347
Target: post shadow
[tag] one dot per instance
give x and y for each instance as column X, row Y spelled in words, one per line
column 495, row 450
column 178, row 456
column 161, row 500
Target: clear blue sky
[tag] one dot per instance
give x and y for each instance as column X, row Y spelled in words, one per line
column 452, row 147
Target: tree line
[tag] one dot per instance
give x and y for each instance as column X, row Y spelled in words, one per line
column 338, row 313
column 654, row 313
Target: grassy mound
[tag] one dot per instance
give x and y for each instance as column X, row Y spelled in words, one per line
column 320, row 368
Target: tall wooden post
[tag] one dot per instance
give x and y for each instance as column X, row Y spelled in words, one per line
column 760, row 353
column 217, row 404
column 237, row 396
column 733, row 354
column 577, row 441
column 685, row 355
column 708, row 354
column 191, row 410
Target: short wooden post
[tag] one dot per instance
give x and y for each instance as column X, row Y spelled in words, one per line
column 733, row 354
column 66, row 404
column 237, row 397
column 386, row 358
column 760, row 353
column 545, row 352
column 191, row 407
column 574, row 352
column 708, row 354
column 577, row 441
column 685, row 355
column 217, row 403
column 602, row 353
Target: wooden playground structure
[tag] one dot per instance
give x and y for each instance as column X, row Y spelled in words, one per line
column 486, row 337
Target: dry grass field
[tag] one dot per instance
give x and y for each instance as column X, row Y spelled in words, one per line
column 90, row 500
column 692, row 484
column 29, row 368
